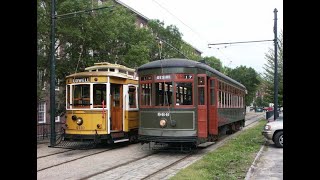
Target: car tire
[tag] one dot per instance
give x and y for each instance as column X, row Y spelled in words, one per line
column 278, row 139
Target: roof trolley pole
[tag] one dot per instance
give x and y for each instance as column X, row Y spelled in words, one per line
column 275, row 108
column 52, row 76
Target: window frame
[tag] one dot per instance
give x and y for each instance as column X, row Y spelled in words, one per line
column 178, row 78
column 149, row 80
column 135, row 96
column 163, row 80
column 43, row 112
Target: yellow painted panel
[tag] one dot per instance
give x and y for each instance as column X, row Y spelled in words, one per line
column 90, row 121
column 131, row 81
column 70, row 131
column 133, row 119
column 99, row 79
column 117, row 80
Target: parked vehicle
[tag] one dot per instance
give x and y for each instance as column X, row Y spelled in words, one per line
column 273, row 130
column 259, row 109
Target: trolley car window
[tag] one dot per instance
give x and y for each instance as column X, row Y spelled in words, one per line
column 81, row 96
column 201, row 95
column 184, row 93
column 99, row 95
column 163, row 93
column 68, row 96
column 132, row 97
column 212, row 97
column 146, row 91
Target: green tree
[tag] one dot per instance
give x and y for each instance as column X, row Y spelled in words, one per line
column 85, row 38
column 214, row 63
column 249, row 78
column 269, row 73
column 168, row 42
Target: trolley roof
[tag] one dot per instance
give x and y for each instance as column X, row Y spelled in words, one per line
column 107, row 69
column 176, row 62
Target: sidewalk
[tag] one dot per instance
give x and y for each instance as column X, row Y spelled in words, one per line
column 268, row 163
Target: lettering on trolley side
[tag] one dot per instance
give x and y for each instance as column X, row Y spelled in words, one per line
column 163, row 114
column 80, row 80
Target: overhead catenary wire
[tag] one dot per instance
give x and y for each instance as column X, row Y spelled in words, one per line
column 195, row 32
column 176, row 49
column 237, row 42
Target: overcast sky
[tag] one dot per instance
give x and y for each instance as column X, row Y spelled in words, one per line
column 204, row 22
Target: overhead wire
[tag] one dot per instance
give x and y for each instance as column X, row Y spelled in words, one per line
column 195, row 32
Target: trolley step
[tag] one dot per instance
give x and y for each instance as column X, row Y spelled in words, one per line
column 206, row 144
column 121, row 140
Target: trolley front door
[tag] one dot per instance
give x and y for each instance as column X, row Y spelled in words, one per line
column 202, row 106
column 116, row 107
column 213, row 121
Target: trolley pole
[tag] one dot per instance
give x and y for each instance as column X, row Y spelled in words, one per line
column 275, row 66
column 52, row 76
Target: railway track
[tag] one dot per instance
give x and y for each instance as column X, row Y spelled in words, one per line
column 117, row 166
column 168, row 166
column 115, row 146
column 54, row 153
column 253, row 119
column 148, row 166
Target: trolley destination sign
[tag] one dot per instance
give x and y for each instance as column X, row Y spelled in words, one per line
column 162, row 77
column 80, row 80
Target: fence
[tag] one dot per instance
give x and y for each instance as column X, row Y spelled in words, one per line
column 44, row 130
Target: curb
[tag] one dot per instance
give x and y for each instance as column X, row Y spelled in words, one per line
column 253, row 165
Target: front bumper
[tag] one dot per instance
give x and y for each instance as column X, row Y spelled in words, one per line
column 267, row 134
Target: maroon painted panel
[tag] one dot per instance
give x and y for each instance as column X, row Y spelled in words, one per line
column 202, row 106
column 212, row 115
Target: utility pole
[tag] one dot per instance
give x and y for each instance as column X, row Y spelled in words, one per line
column 52, row 75
column 275, row 66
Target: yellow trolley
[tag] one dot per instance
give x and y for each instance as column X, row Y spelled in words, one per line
column 101, row 104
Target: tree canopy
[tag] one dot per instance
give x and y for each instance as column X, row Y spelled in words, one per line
column 269, row 73
column 249, row 78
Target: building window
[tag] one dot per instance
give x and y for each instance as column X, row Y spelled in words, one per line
column 141, row 25
column 57, row 88
column 42, row 112
column 41, row 81
column 57, row 118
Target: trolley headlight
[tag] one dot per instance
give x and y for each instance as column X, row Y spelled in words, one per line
column 163, row 123
column 74, row 117
column 79, row 121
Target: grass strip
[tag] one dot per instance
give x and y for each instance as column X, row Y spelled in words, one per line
column 230, row 161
